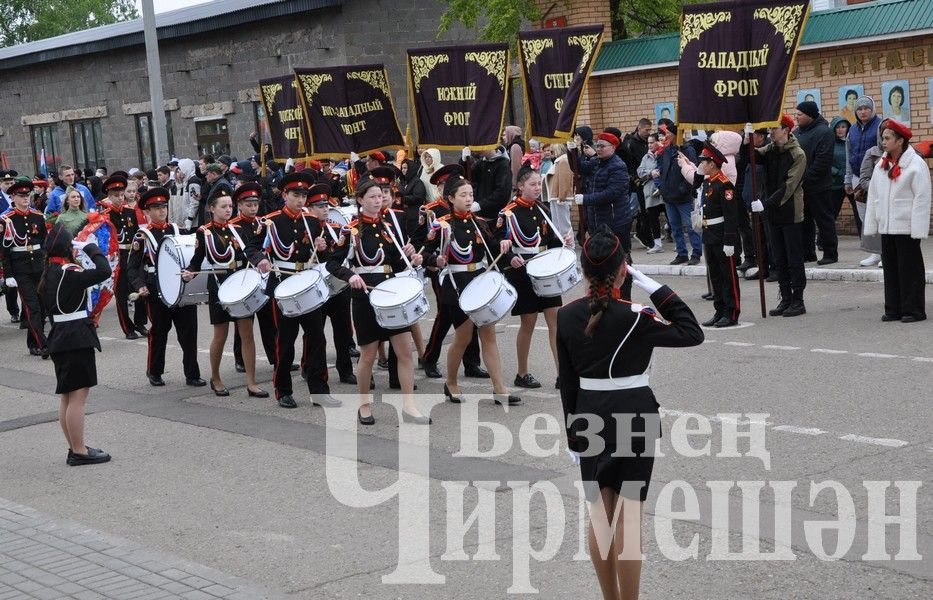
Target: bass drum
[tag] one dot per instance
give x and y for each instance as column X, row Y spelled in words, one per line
column 174, row 254
column 488, row 298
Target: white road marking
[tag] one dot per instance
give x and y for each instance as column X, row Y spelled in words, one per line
column 850, row 437
column 740, row 344
column 828, row 351
column 538, row 394
column 922, row 359
column 800, row 430
column 877, row 355
column 773, row 347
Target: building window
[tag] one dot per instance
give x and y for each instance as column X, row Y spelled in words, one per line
column 45, row 137
column 87, row 144
column 145, row 140
column 212, row 137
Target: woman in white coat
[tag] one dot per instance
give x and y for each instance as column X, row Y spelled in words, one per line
column 898, row 208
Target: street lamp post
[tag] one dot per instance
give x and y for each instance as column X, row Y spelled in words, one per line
column 154, row 69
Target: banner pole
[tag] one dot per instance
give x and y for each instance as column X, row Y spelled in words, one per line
column 756, row 223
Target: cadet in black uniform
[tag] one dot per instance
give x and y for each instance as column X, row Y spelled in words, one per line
column 246, row 197
column 24, row 259
column 604, row 346
column 292, row 237
column 720, row 232
column 522, row 222
column 462, row 246
column 73, row 337
column 143, row 279
column 223, row 246
column 442, row 323
column 124, row 222
column 377, row 256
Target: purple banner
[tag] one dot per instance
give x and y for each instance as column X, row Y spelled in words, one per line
column 287, row 128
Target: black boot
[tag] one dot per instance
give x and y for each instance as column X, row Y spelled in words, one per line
column 783, row 305
column 796, row 307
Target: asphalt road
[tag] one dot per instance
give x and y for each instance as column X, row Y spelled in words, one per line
column 262, row 493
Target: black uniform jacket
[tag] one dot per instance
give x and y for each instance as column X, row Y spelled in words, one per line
column 522, row 221
column 372, row 246
column 141, row 263
column 719, row 200
column 583, row 356
column 66, row 292
column 290, row 237
column 23, row 230
column 468, row 234
column 124, row 221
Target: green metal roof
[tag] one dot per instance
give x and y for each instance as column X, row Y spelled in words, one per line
column 872, row 19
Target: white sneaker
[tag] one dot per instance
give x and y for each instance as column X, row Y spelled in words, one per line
column 656, row 249
column 870, row 260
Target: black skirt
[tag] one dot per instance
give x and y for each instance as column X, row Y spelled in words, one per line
column 368, row 330
column 74, row 370
column 450, row 295
column 634, row 409
column 215, row 310
column 528, row 301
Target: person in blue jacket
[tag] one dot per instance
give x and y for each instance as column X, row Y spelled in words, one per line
column 66, row 176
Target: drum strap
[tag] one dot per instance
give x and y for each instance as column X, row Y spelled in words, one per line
column 398, row 228
column 397, row 245
column 314, row 257
column 489, row 253
column 547, row 218
column 238, row 239
column 150, row 240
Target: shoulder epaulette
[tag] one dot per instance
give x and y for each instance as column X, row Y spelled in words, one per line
column 272, row 214
column 445, row 217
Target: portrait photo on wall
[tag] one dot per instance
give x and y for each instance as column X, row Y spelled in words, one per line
column 848, row 94
column 810, row 95
column 664, row 110
column 895, row 98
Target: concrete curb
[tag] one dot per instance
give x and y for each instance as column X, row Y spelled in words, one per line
column 813, row 274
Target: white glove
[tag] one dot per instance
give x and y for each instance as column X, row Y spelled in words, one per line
column 289, row 164
column 749, row 129
column 79, row 245
column 728, row 250
column 475, row 207
column 571, row 145
column 465, row 153
column 578, row 199
column 574, row 456
column 10, row 282
column 354, row 157
column 757, row 206
column 643, row 281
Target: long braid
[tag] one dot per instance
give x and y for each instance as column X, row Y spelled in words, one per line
column 601, row 261
column 600, row 295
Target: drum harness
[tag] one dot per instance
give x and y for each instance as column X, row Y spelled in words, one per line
column 447, row 270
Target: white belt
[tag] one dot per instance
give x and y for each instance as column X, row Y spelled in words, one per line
column 293, row 266
column 149, row 269
column 714, row 221
column 81, row 314
column 27, row 248
column 468, row 268
column 525, row 249
column 616, row 383
column 376, row 269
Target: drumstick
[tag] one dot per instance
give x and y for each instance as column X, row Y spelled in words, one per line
column 370, row 288
column 493, row 263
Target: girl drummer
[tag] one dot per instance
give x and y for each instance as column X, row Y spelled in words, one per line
column 524, row 224
column 605, row 346
column 222, row 244
column 63, row 289
column 460, row 245
column 377, row 256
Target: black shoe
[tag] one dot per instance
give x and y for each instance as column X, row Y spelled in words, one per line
column 372, row 382
column 827, row 261
column 325, row 400
column 93, row 457
column 711, row 322
column 809, row 258
column 679, row 260
column 35, row 351
column 694, row 260
column 506, row 399
column 383, row 363
column 771, row 278
column 747, row 264
column 752, row 274
column 422, row 420
column 195, row 382
column 14, row 318
column 912, row 319
column 132, row 335
column 44, row 352
column 219, row 392
column 349, row 378
column 239, row 367
column 370, row 420
column 142, row 331
column 257, row 394
column 294, row 367
column 475, row 371
column 155, row 380
column 726, row 322
column 431, row 372
column 450, row 397
column 888, row 318
column 708, row 296
column 395, row 385
column 354, row 353
column 287, row 401
column 557, row 383
column 795, row 309
column 527, row 381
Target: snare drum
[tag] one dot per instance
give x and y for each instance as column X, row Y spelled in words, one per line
column 175, row 252
column 488, row 298
column 338, row 217
column 334, row 284
column 553, row 272
column 243, row 293
column 415, row 273
column 301, row 293
column 399, row 302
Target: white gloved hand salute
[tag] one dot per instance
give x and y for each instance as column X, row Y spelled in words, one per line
column 643, row 281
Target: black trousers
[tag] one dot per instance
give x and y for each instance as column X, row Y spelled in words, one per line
column 442, row 324
column 266, row 333
column 904, row 276
column 726, row 295
column 185, row 320
column 312, row 324
column 818, row 215
column 787, row 255
column 654, row 220
column 121, row 294
column 12, row 306
column 140, row 315
column 33, row 313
